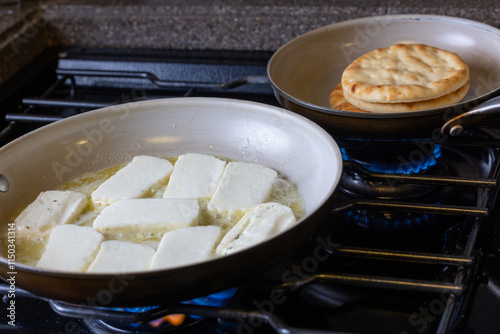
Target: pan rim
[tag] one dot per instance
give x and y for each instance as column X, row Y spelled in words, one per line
column 461, row 107
column 149, row 105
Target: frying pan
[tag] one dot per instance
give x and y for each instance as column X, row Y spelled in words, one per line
column 239, row 130
column 304, row 71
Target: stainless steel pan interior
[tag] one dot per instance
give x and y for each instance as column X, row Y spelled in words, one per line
column 238, row 130
column 305, row 70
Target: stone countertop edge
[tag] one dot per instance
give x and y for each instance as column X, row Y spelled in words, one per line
column 192, row 25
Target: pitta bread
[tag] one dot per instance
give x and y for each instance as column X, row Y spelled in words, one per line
column 338, row 101
column 442, row 101
column 404, row 73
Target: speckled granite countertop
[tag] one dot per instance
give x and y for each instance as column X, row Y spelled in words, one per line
column 194, row 24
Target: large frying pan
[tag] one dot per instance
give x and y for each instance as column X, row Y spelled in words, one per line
column 303, row 72
column 239, row 130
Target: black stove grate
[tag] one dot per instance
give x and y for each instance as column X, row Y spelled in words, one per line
column 84, row 81
column 348, row 262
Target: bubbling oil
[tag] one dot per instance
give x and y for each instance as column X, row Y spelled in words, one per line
column 29, row 250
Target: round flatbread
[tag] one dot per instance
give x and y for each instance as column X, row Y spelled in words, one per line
column 439, row 102
column 404, row 73
column 338, row 101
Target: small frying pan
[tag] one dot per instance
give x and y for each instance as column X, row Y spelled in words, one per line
column 305, row 70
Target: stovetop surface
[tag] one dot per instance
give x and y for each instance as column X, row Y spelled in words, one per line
column 372, row 267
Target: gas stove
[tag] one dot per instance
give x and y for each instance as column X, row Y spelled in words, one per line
column 410, row 245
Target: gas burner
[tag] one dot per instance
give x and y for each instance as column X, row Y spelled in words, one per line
column 165, row 324
column 399, row 158
column 361, row 183
column 104, row 327
column 388, row 221
column 371, row 169
column 137, row 320
column 452, row 162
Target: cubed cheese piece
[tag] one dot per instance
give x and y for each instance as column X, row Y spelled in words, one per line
column 194, row 176
column 257, row 225
column 242, row 186
column 70, row 248
column 120, row 257
column 49, row 209
column 133, row 180
column 185, row 246
column 148, row 215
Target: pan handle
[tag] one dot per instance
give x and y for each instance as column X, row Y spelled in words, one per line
column 456, row 125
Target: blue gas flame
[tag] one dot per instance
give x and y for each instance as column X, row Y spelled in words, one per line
column 403, row 167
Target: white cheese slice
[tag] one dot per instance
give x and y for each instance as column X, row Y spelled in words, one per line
column 133, row 180
column 257, row 225
column 120, row 257
column 150, row 215
column 185, row 246
column 242, row 186
column 50, row 208
column 70, row 248
column 194, row 176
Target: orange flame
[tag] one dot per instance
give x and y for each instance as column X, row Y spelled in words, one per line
column 172, row 319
